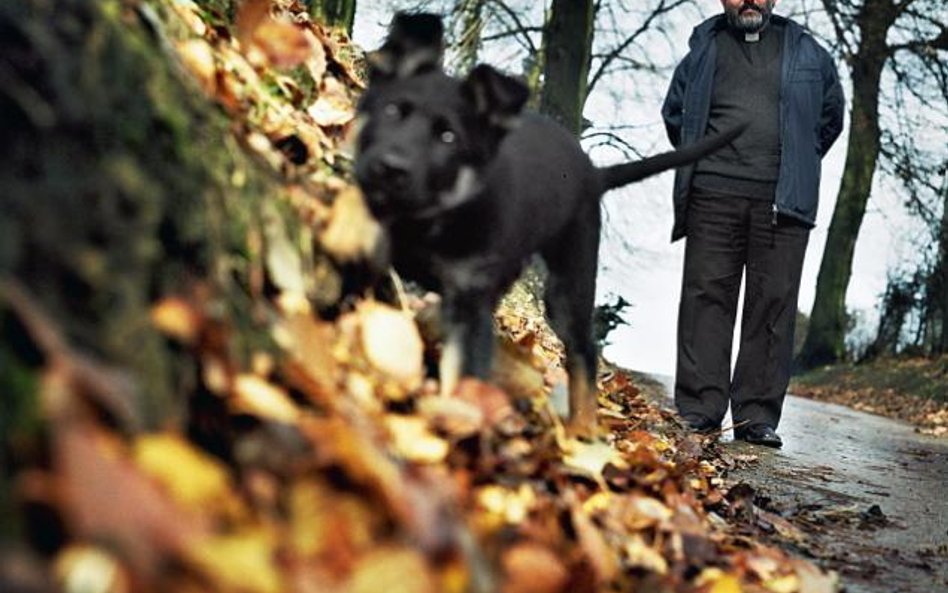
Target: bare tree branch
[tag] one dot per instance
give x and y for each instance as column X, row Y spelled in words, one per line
column 664, row 6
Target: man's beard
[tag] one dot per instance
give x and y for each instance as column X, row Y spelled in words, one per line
column 753, row 20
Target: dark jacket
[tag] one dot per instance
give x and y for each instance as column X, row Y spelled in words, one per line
column 811, row 115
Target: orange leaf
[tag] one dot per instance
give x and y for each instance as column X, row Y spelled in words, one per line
column 532, row 568
column 177, row 318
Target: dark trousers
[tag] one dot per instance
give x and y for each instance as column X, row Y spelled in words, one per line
column 727, row 236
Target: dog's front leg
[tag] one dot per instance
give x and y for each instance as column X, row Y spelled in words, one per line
column 468, row 339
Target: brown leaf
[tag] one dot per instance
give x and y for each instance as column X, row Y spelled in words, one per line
column 596, row 551
column 453, row 416
column 532, row 568
column 309, row 343
column 105, row 497
column 493, row 402
column 281, row 44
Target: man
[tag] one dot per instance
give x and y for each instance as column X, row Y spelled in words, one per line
column 746, row 209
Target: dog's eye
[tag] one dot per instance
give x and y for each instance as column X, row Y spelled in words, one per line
column 393, row 111
column 448, row 137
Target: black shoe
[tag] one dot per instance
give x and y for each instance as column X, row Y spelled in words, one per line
column 759, row 434
column 701, row 424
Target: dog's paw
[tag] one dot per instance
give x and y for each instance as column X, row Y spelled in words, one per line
column 586, row 429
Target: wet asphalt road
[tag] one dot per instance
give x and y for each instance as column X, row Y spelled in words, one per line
column 835, row 466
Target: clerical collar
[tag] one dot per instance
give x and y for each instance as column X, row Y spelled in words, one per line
column 752, row 37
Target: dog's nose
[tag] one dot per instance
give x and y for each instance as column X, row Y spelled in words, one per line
column 391, row 167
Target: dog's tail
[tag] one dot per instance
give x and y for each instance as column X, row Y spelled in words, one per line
column 619, row 175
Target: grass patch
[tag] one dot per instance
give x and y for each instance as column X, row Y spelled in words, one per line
column 911, row 389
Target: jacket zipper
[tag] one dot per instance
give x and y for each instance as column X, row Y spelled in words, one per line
column 773, row 219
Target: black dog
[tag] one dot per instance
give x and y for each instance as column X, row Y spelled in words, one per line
column 469, row 187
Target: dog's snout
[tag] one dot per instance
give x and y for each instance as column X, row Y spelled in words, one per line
column 391, row 167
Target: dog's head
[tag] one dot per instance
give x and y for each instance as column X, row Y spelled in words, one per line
column 425, row 134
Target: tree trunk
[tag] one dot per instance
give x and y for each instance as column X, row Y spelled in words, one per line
column 567, row 42
column 470, row 19
column 336, row 13
column 825, row 341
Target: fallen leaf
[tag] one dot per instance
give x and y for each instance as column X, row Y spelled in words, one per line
column 106, row 498
column 717, row 581
column 413, row 441
column 600, row 556
column 309, row 343
column 764, row 567
column 333, row 107
column 284, row 263
column 392, row 344
column 642, row 512
column 392, row 570
column 243, row 561
column 282, row 44
column 812, row 580
column 784, row 584
column 506, row 505
column 352, row 233
column 198, row 57
column 453, row 416
column 590, row 459
column 493, row 403
column 533, row 568
column 638, row 554
column 87, row 569
column 195, row 480
column 255, row 396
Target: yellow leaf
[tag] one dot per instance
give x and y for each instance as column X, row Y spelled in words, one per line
column 352, row 234
column 505, row 504
column 589, row 459
column 413, row 441
column 719, row 581
column 640, row 555
column 392, row 570
column 195, row 480
column 785, row 584
column 255, row 396
column 177, row 318
column 240, row 562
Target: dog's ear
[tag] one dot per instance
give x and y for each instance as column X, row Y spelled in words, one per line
column 415, row 43
column 495, row 96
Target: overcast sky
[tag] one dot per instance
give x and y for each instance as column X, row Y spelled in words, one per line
column 637, row 259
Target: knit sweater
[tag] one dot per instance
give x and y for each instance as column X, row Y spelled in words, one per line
column 746, row 88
